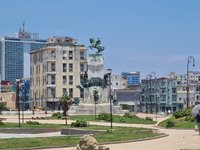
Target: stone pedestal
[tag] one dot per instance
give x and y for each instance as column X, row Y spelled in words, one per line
column 90, row 109
column 95, row 71
column 87, row 105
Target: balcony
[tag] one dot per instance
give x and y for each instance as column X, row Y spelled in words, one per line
column 51, row 57
column 52, row 70
column 51, row 84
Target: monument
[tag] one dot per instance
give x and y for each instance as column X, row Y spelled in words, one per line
column 95, row 85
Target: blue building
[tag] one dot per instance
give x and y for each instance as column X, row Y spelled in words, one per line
column 14, row 55
column 132, row 77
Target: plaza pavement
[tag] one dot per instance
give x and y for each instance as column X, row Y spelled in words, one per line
column 177, row 139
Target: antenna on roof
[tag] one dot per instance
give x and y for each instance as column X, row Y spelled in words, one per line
column 23, row 27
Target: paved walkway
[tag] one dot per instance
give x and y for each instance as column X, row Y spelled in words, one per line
column 177, row 139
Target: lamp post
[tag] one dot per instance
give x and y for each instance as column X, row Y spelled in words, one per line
column 17, row 99
column 110, row 98
column 33, row 109
column 156, row 107
column 23, row 99
column 96, row 98
column 189, row 60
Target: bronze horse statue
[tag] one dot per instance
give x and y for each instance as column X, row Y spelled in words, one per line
column 96, row 44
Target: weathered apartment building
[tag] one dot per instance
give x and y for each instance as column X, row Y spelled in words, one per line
column 55, row 70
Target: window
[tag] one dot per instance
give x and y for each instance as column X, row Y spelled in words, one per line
column 174, row 90
column 53, row 79
column 70, row 67
column 53, row 54
column 64, row 67
column 70, row 54
column 64, row 91
column 53, row 67
column 71, row 92
column 70, row 80
column 53, row 92
column 82, row 93
column 163, row 83
column 82, row 55
column 82, row 67
column 64, row 55
column 64, row 79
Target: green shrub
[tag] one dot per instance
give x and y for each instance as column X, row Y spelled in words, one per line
column 1, row 123
column 32, row 122
column 79, row 123
column 104, row 116
column 121, row 120
column 57, row 115
column 182, row 113
column 2, row 107
column 170, row 123
column 190, row 118
column 149, row 118
column 125, row 106
column 130, row 115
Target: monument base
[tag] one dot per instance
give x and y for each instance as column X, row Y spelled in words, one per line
column 90, row 109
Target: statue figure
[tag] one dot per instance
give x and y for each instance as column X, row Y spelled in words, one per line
column 96, row 44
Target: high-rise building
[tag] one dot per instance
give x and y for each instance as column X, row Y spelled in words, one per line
column 132, row 77
column 56, row 70
column 14, row 54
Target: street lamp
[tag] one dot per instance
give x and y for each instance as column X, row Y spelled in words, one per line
column 96, row 98
column 189, row 60
column 34, row 101
column 17, row 99
column 156, row 107
column 23, row 96
column 109, row 72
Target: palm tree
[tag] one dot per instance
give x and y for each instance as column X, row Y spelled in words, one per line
column 66, row 102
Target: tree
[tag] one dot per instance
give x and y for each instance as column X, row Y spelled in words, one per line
column 66, row 102
column 2, row 107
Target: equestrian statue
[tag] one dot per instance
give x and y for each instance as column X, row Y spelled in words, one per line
column 96, row 44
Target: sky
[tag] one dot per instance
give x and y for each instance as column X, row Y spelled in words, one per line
column 138, row 35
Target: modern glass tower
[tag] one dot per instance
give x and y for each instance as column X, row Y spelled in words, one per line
column 14, row 55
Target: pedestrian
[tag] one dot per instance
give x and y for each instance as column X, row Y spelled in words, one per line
column 198, row 120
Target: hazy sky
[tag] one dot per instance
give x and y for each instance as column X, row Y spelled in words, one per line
column 139, row 35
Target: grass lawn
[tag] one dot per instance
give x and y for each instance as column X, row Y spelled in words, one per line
column 25, row 125
column 179, row 123
column 118, row 134
column 117, row 119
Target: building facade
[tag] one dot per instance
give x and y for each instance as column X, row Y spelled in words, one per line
column 56, row 70
column 193, row 84
column 118, row 82
column 159, row 95
column 132, row 77
column 132, row 98
column 14, row 55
